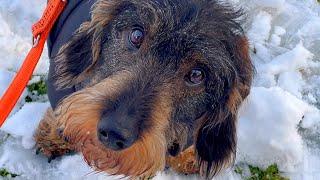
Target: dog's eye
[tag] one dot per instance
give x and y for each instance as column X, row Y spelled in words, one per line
column 195, row 77
column 136, row 37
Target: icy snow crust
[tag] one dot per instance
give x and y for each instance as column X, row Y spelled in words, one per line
column 279, row 122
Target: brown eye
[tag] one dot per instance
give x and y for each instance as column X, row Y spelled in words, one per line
column 195, row 77
column 136, row 37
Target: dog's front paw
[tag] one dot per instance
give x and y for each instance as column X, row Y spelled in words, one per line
column 49, row 139
column 184, row 163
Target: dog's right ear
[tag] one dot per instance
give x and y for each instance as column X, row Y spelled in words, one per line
column 76, row 58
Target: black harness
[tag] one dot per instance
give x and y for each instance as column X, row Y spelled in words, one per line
column 75, row 13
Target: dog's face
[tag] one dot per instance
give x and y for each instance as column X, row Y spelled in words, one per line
column 155, row 76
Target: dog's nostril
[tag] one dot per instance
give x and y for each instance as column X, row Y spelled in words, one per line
column 103, row 133
column 120, row 144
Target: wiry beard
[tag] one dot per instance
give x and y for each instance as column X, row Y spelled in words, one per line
column 80, row 113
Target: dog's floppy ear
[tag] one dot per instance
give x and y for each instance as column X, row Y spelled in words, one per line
column 216, row 137
column 77, row 57
column 74, row 58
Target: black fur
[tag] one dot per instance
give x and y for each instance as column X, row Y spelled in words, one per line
column 216, row 142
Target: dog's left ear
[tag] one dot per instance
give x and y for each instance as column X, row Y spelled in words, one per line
column 216, row 137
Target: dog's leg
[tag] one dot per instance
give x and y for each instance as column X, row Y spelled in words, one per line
column 48, row 137
column 184, row 163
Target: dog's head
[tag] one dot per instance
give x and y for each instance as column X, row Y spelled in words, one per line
column 155, row 77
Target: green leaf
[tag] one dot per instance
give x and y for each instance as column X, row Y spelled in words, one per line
column 271, row 173
column 39, row 87
column 6, row 173
column 238, row 170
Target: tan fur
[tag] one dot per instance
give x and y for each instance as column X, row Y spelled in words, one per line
column 242, row 87
column 48, row 140
column 234, row 101
column 245, row 68
column 185, row 162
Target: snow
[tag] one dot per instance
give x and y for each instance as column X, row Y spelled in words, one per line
column 30, row 116
column 293, row 60
column 15, row 19
column 268, row 123
column 278, row 123
column 276, row 37
column 271, row 3
column 261, row 27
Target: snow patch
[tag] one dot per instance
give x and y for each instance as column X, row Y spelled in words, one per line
column 296, row 59
column 25, row 121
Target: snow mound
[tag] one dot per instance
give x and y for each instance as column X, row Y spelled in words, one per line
column 24, row 122
column 278, row 123
column 268, row 128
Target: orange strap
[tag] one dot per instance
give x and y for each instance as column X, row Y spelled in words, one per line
column 40, row 31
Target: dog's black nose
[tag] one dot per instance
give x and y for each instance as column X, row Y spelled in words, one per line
column 115, row 135
column 114, row 139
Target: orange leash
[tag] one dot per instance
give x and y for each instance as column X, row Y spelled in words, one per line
column 40, row 31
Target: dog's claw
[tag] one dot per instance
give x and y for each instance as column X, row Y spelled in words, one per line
column 38, row 150
column 60, row 132
column 66, row 139
column 52, row 157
